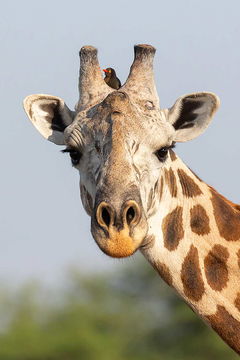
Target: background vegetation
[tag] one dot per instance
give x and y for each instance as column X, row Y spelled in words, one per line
column 132, row 315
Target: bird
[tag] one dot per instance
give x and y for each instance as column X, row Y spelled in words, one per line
column 111, row 78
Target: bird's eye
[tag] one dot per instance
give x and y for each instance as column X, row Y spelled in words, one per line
column 162, row 153
column 75, row 155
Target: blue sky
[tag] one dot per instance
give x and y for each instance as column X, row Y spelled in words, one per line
column 44, row 229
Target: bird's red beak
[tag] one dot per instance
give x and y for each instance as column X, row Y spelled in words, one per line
column 105, row 70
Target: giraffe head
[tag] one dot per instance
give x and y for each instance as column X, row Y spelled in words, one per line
column 120, row 143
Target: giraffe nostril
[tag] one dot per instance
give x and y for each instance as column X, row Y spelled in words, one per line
column 106, row 216
column 130, row 215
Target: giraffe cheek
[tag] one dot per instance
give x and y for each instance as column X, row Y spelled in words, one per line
column 86, row 200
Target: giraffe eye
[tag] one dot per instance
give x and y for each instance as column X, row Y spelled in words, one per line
column 162, row 153
column 75, row 155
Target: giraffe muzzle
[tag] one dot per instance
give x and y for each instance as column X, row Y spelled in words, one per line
column 119, row 232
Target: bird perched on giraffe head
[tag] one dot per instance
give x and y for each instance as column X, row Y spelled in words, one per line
column 111, row 78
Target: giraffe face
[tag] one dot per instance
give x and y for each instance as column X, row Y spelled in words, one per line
column 120, row 147
column 122, row 152
column 119, row 141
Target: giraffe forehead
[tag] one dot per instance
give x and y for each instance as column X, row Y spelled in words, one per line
column 132, row 133
column 117, row 119
column 153, row 131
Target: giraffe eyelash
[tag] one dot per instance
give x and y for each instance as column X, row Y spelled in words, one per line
column 172, row 146
column 161, row 153
column 75, row 155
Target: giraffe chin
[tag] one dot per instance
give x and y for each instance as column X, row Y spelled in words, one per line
column 119, row 244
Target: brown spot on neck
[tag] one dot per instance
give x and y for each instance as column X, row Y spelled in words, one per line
column 216, row 267
column 238, row 254
column 235, row 206
column 189, row 187
column 191, row 276
column 172, row 154
column 164, row 272
column 227, row 217
column 227, row 327
column 199, row 221
column 150, row 200
column 172, row 227
column 161, row 188
column 195, row 175
column 237, row 302
column 171, row 182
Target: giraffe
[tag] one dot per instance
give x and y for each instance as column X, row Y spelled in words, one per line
column 138, row 192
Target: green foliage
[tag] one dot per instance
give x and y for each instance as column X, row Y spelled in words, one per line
column 132, row 315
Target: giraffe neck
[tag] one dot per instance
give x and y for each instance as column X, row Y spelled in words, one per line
column 197, row 248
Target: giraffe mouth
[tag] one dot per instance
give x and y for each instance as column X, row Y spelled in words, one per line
column 120, row 243
column 118, row 246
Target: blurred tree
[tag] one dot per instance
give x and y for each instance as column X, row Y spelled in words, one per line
column 132, row 315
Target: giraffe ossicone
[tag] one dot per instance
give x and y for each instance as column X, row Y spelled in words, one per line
column 139, row 193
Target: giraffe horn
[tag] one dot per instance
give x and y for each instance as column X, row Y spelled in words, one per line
column 92, row 87
column 141, row 77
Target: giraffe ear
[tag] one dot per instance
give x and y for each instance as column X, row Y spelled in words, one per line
column 191, row 114
column 49, row 115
